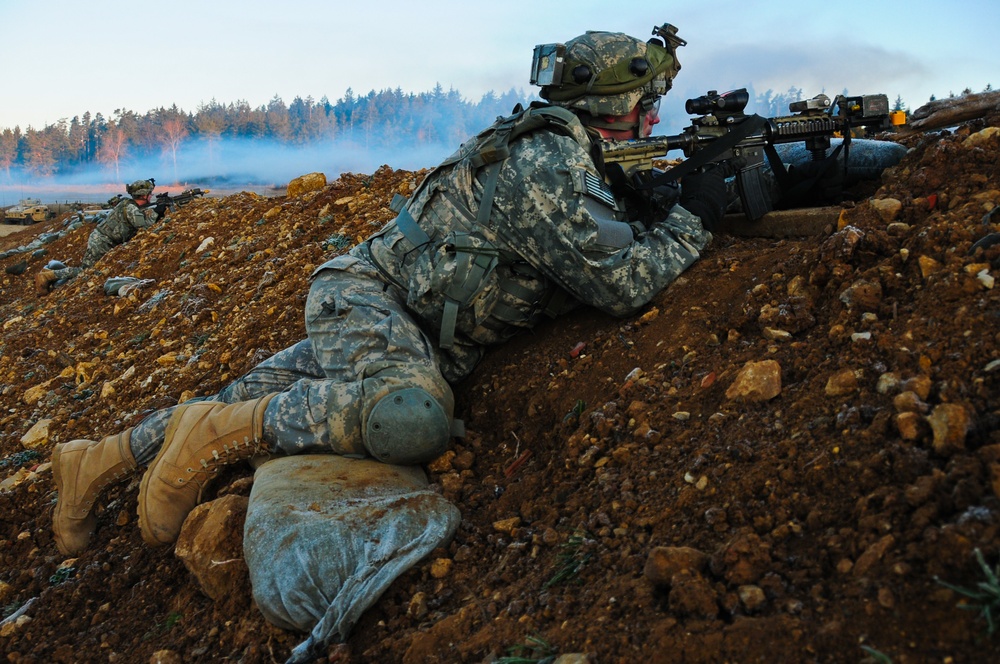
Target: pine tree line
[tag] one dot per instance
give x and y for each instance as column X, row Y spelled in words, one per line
column 376, row 120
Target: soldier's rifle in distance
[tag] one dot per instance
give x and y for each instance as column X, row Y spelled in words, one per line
column 181, row 199
column 723, row 132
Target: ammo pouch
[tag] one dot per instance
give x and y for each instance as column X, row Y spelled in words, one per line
column 456, row 275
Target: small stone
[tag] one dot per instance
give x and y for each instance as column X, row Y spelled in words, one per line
column 37, row 435
column 909, row 425
column 950, row 423
column 887, row 208
column 774, row 334
column 928, row 266
column 507, row 525
column 756, row 381
column 887, row 383
column 664, row 562
column 921, row 385
column 751, row 597
column 165, row 657
column 865, row 295
column 985, row 279
column 417, row 607
column 910, row 402
column 841, row 383
column 441, row 567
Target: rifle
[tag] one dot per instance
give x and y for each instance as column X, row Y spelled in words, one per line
column 724, row 133
column 181, row 199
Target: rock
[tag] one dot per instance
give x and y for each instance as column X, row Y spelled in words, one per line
column 573, row 658
column 841, row 383
column 950, row 423
column 774, row 334
column 306, row 183
column 909, row 402
column 980, row 137
column 166, row 657
column 887, row 383
column 211, row 545
column 664, row 562
column 37, row 436
column 756, row 381
column 887, row 208
column 751, row 597
column 910, row 425
column 205, row 245
column 441, row 567
column 865, row 295
column 34, row 394
column 921, row 385
column 928, row 266
column 417, row 608
column 507, row 525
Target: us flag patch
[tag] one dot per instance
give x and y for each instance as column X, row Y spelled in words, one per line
column 596, row 188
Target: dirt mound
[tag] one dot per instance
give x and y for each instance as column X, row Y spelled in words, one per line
column 629, row 489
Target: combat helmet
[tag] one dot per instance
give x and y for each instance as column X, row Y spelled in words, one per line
column 141, row 188
column 607, row 73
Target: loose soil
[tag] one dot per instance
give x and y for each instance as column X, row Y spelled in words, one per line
column 815, row 521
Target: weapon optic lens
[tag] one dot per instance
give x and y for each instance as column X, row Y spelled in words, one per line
column 733, row 101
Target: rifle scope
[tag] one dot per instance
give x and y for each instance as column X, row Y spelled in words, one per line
column 733, row 101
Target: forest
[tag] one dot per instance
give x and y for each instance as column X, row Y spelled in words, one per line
column 163, row 138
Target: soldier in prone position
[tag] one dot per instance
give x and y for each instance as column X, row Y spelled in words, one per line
column 516, row 226
column 122, row 223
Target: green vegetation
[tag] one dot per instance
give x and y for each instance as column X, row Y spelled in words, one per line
column 985, row 596
column 877, row 656
column 571, row 559
column 536, row 651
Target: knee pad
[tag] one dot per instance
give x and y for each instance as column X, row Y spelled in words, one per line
column 407, row 427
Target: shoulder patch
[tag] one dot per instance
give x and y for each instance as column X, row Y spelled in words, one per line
column 593, row 186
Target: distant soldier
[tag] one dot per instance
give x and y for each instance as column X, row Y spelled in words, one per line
column 120, row 226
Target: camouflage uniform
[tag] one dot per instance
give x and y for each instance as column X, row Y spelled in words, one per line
column 117, row 228
column 374, row 316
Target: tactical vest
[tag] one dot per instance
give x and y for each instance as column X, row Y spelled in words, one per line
column 444, row 251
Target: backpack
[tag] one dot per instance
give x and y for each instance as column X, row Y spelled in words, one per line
column 454, row 280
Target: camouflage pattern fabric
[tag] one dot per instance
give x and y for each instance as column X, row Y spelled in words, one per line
column 118, row 227
column 562, row 238
column 559, row 231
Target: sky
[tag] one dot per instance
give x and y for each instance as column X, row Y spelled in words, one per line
column 100, row 56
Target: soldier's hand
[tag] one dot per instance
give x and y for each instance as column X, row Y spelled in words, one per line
column 704, row 193
column 161, row 210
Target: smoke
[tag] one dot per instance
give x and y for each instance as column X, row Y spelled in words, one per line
column 223, row 163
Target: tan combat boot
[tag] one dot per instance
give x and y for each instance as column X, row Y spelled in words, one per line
column 200, row 438
column 43, row 281
column 82, row 469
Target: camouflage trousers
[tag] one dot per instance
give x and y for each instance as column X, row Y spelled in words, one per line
column 98, row 244
column 362, row 345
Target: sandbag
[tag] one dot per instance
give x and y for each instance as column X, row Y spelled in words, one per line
column 325, row 536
